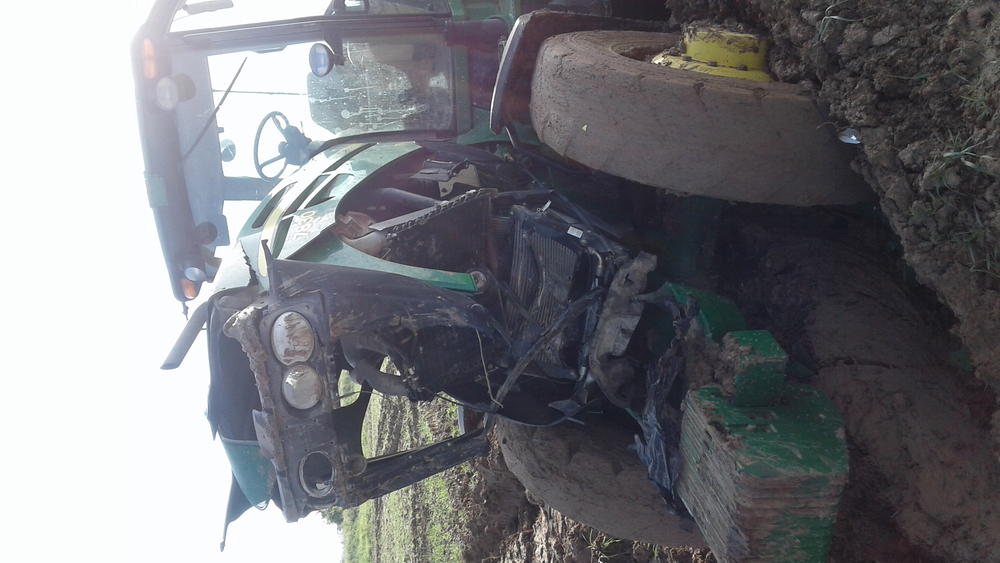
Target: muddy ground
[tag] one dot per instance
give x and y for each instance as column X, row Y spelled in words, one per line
column 920, row 81
column 477, row 511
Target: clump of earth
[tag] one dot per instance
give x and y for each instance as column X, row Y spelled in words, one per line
column 920, row 82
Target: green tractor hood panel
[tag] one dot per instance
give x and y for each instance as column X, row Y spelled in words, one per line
column 298, row 217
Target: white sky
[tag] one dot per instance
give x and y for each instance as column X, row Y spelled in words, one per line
column 104, row 456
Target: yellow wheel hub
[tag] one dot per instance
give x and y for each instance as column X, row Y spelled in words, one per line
column 721, row 53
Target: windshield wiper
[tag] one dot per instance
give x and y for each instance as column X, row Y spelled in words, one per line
column 211, row 118
column 384, row 136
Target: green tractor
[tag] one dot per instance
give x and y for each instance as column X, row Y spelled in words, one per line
column 514, row 205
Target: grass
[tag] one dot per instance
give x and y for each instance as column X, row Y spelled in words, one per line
column 960, row 151
column 606, row 549
column 829, row 18
column 978, row 106
column 978, row 237
column 357, row 533
column 963, row 154
column 424, row 521
column 976, row 96
column 969, row 158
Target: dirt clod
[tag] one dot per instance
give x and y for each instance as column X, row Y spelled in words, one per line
column 923, row 78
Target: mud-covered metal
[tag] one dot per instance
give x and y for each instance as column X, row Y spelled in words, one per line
column 401, row 318
column 495, row 351
column 513, row 84
column 764, row 483
column 619, row 316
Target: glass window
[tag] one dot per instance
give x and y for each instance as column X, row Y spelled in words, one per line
column 206, row 14
column 386, row 84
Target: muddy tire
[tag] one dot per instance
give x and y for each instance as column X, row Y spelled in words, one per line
column 923, row 479
column 685, row 132
column 921, row 463
column 588, row 474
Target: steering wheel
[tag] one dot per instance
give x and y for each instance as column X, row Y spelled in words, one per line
column 279, row 120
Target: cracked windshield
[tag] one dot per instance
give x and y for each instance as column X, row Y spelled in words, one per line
column 385, row 84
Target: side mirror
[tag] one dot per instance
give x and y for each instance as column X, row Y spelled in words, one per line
column 341, row 7
column 322, row 59
column 228, row 150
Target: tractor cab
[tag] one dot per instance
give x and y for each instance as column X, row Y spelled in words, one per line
column 235, row 96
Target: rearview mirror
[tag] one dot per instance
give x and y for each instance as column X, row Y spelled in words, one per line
column 322, row 59
column 228, row 150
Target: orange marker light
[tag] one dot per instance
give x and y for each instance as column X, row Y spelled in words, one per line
column 189, row 288
column 148, row 59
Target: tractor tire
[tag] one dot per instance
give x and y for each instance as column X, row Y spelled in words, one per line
column 924, row 479
column 596, row 101
column 587, row 473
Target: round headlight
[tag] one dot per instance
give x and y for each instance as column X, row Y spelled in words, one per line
column 302, row 387
column 316, row 474
column 171, row 90
column 292, row 338
column 167, row 93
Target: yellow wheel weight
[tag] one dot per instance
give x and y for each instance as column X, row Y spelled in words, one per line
column 721, row 53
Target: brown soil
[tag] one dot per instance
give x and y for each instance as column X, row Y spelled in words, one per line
column 510, row 526
column 920, row 80
column 497, row 505
column 924, row 482
column 591, row 472
column 547, row 536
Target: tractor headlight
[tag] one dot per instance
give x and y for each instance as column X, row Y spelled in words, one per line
column 302, row 387
column 292, row 338
column 167, row 94
column 172, row 90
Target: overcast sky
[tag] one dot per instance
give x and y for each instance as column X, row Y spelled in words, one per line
column 104, row 456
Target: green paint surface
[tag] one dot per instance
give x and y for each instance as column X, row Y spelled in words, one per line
column 800, row 538
column 251, row 469
column 759, row 367
column 305, row 232
column 802, row 436
column 717, row 314
column 684, row 241
column 789, row 462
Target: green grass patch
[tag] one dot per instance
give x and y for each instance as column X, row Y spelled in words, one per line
column 425, row 521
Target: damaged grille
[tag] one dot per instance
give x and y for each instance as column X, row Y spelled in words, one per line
column 547, row 269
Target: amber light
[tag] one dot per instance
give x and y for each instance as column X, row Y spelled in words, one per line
column 148, row 59
column 189, row 288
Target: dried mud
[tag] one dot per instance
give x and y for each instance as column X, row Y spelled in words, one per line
column 920, row 80
column 924, row 482
column 546, row 536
